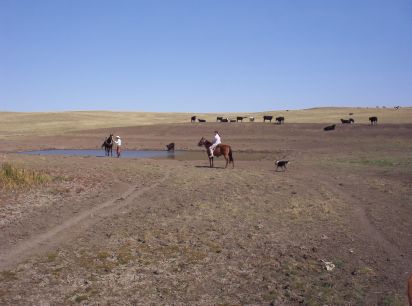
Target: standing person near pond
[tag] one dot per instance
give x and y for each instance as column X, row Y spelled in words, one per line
column 216, row 142
column 118, row 142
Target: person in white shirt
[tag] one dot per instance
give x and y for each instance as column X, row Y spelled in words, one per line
column 216, row 141
column 118, row 142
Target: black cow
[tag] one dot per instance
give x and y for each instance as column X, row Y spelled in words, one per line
column 373, row 120
column 329, row 128
column 219, row 119
column 280, row 120
column 193, row 119
column 267, row 118
column 201, row 120
column 225, row 120
column 347, row 121
column 281, row 164
column 170, row 146
column 240, row 119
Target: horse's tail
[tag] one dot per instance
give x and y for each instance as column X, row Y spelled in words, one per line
column 231, row 157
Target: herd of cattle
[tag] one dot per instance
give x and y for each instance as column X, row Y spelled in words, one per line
column 279, row 120
column 373, row 120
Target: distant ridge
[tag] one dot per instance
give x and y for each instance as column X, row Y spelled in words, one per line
column 53, row 123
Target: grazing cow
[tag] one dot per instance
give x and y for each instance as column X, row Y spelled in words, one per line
column 329, row 128
column 201, row 120
column 251, row 119
column 350, row 114
column 240, row 119
column 373, row 120
column 225, row 120
column 170, row 146
column 280, row 120
column 219, row 119
column 232, row 120
column 267, row 118
column 193, row 119
column 281, row 164
column 347, row 121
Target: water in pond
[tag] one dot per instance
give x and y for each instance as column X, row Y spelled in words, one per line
column 101, row 153
column 179, row 155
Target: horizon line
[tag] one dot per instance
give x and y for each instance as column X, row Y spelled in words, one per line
column 192, row 112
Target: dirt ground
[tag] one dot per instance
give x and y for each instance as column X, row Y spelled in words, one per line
column 174, row 231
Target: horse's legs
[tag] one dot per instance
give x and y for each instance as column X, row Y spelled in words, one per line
column 227, row 160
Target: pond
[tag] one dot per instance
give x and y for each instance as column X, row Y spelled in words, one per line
column 179, row 154
column 101, row 153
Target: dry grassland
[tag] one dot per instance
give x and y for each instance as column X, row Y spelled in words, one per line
column 56, row 123
column 108, row 231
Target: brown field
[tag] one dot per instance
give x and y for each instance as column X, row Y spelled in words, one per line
column 25, row 124
column 173, row 231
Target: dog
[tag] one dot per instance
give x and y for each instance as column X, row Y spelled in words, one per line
column 281, row 164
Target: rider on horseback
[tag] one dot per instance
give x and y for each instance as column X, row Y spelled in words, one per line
column 216, row 142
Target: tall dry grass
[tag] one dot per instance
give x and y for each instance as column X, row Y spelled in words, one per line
column 12, row 177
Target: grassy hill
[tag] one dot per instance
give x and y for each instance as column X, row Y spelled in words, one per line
column 14, row 124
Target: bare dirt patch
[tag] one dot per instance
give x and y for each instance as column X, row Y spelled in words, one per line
column 173, row 231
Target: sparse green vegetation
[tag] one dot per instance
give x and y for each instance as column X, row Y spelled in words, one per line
column 80, row 298
column 7, row 276
column 51, row 257
column 103, row 255
column 393, row 300
column 374, row 162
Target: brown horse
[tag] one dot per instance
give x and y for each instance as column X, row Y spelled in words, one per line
column 220, row 149
column 410, row 290
column 108, row 145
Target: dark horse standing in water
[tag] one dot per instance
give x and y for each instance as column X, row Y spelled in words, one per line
column 221, row 149
column 108, row 145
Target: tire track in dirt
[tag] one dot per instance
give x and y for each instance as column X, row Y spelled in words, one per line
column 365, row 225
column 69, row 229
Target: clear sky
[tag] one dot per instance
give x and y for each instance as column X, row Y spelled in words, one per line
column 204, row 55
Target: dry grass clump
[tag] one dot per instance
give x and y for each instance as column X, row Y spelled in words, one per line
column 12, row 177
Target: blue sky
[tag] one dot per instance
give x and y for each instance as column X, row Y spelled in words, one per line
column 204, row 56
